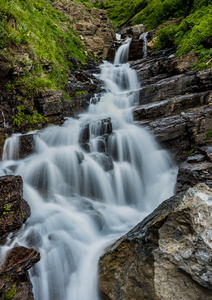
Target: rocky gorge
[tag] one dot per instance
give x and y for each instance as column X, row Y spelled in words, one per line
column 172, row 246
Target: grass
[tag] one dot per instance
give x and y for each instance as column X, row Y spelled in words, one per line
column 191, row 34
column 35, row 27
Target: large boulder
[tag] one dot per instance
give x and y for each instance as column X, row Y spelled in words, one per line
column 166, row 256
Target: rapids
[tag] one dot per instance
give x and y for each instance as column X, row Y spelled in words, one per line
column 78, row 207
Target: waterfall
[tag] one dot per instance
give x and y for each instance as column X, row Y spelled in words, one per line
column 82, row 201
column 4, row 119
column 143, row 37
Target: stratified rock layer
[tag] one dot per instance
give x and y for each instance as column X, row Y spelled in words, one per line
column 166, row 256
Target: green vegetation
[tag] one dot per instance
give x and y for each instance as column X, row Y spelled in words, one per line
column 42, row 39
column 23, row 118
column 7, row 209
column 192, row 32
column 79, row 93
column 208, row 135
column 9, row 294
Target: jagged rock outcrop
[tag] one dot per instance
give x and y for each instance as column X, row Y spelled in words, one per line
column 14, row 211
column 166, row 256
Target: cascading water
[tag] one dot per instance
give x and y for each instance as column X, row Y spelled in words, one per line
column 143, row 37
column 81, row 201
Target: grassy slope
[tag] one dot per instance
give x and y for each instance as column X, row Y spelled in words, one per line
column 191, row 34
column 35, row 27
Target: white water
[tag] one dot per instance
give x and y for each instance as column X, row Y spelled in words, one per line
column 77, row 207
column 143, row 37
column 4, row 119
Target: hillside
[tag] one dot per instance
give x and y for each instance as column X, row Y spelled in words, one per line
column 42, row 42
column 191, row 32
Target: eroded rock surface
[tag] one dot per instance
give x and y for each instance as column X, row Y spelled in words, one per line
column 166, row 256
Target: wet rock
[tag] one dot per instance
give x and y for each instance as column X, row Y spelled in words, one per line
column 101, row 127
column 84, row 134
column 181, row 132
column 136, row 49
column 104, row 160
column 26, row 145
column 49, row 103
column 167, row 88
column 170, row 106
column 14, row 210
column 18, row 260
column 157, row 66
column 80, row 157
column 197, row 168
column 14, row 280
column 166, row 256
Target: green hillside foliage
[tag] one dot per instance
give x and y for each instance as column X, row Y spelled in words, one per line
column 193, row 33
column 35, row 27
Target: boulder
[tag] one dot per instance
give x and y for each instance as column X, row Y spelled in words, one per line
column 49, row 103
column 14, row 210
column 104, row 160
column 26, row 145
column 14, row 280
column 166, row 256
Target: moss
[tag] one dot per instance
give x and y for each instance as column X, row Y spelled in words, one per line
column 23, row 118
column 79, row 93
column 9, row 294
column 208, row 135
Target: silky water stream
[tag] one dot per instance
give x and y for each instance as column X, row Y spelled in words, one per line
column 81, row 201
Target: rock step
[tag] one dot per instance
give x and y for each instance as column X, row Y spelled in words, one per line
column 180, row 132
column 171, row 106
column 170, row 87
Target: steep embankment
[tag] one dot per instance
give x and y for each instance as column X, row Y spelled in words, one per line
column 42, row 45
column 191, row 31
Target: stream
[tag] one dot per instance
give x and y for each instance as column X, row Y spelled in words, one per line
column 82, row 201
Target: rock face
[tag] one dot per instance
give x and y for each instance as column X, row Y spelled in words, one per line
column 14, row 282
column 175, row 106
column 93, row 26
column 14, row 211
column 197, row 168
column 166, row 256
